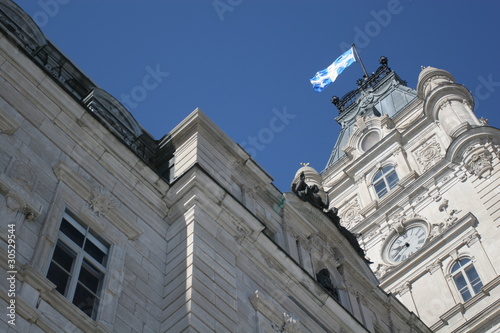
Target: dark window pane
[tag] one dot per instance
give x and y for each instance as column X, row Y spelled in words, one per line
column 85, row 300
column 59, row 277
column 387, row 169
column 63, row 256
column 471, row 273
column 70, row 231
column 466, row 294
column 89, row 276
column 455, row 267
column 460, row 281
column 392, row 179
column 474, row 279
column 380, row 188
column 94, row 251
column 377, row 176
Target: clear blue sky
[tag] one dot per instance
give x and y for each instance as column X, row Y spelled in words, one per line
column 243, row 62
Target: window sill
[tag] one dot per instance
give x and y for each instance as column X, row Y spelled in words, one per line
column 60, row 303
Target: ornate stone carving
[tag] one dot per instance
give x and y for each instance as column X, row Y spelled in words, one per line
column 242, row 234
column 433, row 267
column 101, row 201
column 471, row 239
column 403, row 289
column 381, row 270
column 444, row 104
column 350, row 214
column 450, row 219
column 479, row 163
column 429, row 153
column 483, row 121
column 18, row 199
column 290, row 325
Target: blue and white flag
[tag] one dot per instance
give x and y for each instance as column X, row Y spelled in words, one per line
column 326, row 76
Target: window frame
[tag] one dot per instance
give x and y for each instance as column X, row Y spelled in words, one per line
column 461, row 267
column 381, row 176
column 81, row 258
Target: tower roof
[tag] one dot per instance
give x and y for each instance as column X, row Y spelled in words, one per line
column 382, row 93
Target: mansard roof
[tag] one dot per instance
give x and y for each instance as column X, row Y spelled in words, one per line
column 382, row 93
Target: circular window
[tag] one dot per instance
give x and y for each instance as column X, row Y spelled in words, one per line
column 369, row 140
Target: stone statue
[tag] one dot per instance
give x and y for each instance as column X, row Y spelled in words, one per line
column 309, row 193
column 324, row 280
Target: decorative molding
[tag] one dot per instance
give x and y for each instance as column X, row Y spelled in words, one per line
column 382, row 269
column 8, row 124
column 479, row 162
column 401, row 290
column 100, row 202
column 429, row 153
column 18, row 199
column 290, row 325
column 434, row 266
column 350, row 214
column 471, row 239
column 444, row 104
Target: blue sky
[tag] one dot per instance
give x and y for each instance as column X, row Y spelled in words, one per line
column 247, row 63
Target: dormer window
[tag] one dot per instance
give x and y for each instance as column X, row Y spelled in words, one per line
column 385, row 180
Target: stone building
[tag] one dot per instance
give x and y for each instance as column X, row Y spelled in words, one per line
column 105, row 229
column 416, row 173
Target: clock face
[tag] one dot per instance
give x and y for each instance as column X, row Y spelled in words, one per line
column 409, row 242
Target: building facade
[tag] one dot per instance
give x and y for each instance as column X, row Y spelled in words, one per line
column 105, row 229
column 416, row 173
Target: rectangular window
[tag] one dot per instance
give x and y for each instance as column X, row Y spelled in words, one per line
column 78, row 265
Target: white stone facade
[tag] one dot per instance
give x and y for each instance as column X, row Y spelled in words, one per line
column 115, row 232
column 447, row 189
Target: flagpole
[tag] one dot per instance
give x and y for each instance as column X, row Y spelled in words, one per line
column 360, row 62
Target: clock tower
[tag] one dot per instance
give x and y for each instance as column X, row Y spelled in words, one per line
column 416, row 174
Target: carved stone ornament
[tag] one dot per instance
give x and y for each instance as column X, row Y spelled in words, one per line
column 479, row 163
column 382, row 269
column 101, row 202
column 350, row 214
column 429, row 153
column 242, row 234
column 450, row 219
column 433, row 267
column 402, row 289
column 290, row 325
column 17, row 199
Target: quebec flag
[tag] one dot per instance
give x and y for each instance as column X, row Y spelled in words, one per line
column 326, row 76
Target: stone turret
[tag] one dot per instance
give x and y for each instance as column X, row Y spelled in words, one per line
column 312, row 177
column 445, row 101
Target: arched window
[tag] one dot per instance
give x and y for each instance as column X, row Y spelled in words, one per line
column 385, row 180
column 466, row 278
